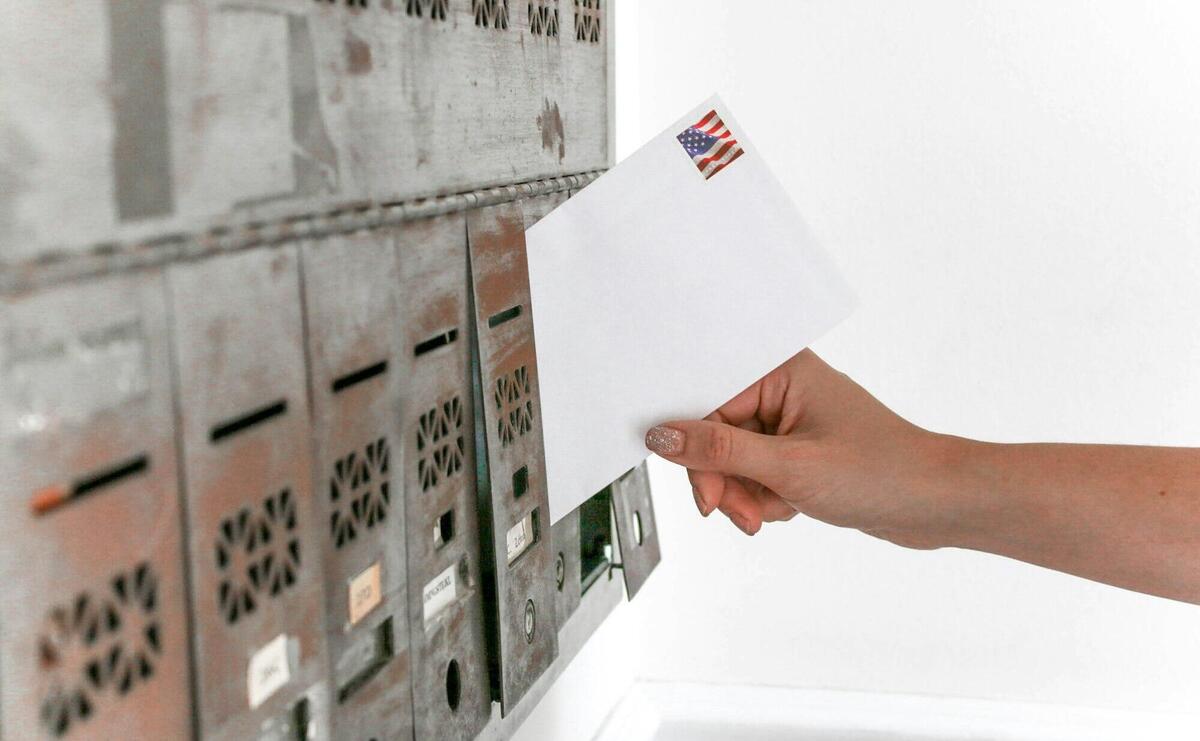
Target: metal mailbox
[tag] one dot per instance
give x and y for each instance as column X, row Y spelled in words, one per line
column 350, row 293
column 255, row 542
column 637, row 532
column 513, row 483
column 451, row 694
column 94, row 621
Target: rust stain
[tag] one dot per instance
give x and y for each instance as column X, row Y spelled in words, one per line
column 358, row 56
column 550, row 123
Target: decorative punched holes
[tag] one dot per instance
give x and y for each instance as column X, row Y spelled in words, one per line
column 98, row 645
column 514, row 405
column 543, row 18
column 433, row 9
column 258, row 554
column 490, row 13
column 587, row 21
column 440, row 443
column 359, row 492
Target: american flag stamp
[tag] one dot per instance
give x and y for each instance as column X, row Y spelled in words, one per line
column 710, row 144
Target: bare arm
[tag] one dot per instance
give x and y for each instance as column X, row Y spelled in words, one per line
column 808, row 439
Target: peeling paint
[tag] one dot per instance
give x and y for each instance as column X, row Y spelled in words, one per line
column 550, row 123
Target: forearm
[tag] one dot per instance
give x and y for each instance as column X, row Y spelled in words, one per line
column 1123, row 515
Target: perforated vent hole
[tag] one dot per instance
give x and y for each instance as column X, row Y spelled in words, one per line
column 258, row 555
column 514, row 405
column 432, row 9
column 359, row 492
column 490, row 13
column 440, row 444
column 99, row 645
column 543, row 18
column 587, row 21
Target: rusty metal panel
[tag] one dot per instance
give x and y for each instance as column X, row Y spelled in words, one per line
column 94, row 621
column 173, row 116
column 513, row 483
column 255, row 548
column 564, row 536
column 350, row 293
column 451, row 692
column 637, row 532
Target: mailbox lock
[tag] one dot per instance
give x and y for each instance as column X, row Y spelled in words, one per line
column 529, row 621
column 560, row 570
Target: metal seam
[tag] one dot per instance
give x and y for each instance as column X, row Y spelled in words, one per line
column 110, row 258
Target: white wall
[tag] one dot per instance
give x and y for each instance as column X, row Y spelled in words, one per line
column 1014, row 190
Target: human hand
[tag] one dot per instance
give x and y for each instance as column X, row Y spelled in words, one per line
column 806, row 438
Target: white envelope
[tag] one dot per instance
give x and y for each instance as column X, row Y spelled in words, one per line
column 658, row 294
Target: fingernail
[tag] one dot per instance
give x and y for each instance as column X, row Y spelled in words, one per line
column 665, row 440
column 700, row 505
column 742, row 523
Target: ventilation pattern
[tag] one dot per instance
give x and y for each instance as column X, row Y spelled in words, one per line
column 490, row 13
column 99, row 645
column 258, row 555
column 434, row 9
column 359, row 492
column 440, row 443
column 543, row 18
column 514, row 406
column 587, row 21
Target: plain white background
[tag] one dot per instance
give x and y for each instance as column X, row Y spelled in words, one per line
column 1013, row 188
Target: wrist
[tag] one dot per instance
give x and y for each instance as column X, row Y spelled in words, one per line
column 959, row 489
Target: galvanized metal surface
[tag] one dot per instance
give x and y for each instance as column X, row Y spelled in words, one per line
column 94, row 619
column 451, row 693
column 637, row 530
column 255, row 544
column 355, row 353
column 525, row 635
column 164, row 116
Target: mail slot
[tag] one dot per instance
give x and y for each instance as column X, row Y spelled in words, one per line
column 256, row 541
column 637, row 532
column 94, row 622
column 354, row 348
column 451, row 696
column 521, row 563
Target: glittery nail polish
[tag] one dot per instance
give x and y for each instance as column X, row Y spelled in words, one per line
column 665, row 440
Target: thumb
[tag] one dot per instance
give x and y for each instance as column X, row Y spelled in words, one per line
column 702, row 445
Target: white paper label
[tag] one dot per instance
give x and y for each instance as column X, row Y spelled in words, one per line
column 366, row 592
column 270, row 669
column 440, row 593
column 520, row 537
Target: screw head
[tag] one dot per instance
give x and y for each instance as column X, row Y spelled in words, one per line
column 560, row 571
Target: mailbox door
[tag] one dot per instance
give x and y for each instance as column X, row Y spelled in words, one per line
column 350, row 293
column 567, row 568
column 255, row 548
column 637, row 532
column 451, row 694
column 94, row 621
column 514, row 483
